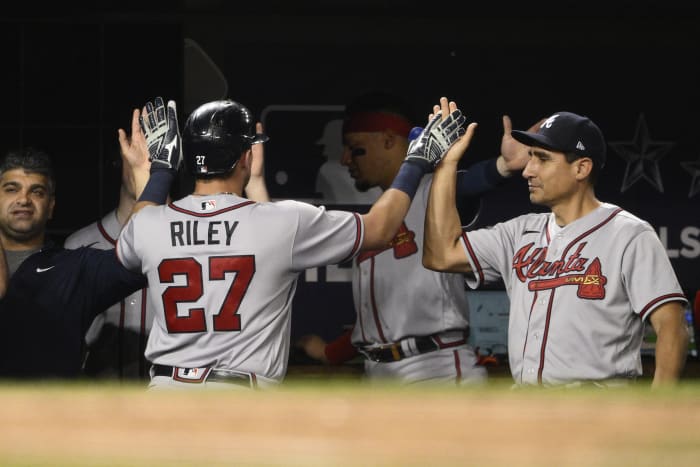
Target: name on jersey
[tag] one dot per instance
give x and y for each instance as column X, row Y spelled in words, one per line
column 530, row 264
column 186, row 233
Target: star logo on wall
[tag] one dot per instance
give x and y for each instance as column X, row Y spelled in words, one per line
column 642, row 156
column 693, row 168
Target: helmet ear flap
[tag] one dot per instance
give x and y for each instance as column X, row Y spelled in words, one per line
column 215, row 136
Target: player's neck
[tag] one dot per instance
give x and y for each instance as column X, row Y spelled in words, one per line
column 217, row 186
column 575, row 208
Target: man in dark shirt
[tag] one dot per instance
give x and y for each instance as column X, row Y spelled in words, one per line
column 53, row 294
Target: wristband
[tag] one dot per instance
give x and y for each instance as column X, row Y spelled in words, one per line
column 158, row 186
column 408, row 178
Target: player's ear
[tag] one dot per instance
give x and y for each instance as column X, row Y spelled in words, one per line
column 246, row 159
column 583, row 167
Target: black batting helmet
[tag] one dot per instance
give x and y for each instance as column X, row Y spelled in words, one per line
column 215, row 136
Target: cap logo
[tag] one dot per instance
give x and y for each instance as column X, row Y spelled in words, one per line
column 548, row 123
column 580, row 146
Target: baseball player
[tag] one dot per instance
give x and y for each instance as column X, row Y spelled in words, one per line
column 412, row 323
column 581, row 278
column 117, row 337
column 222, row 269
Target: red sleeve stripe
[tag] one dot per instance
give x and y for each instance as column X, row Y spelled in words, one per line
column 104, row 233
column 479, row 269
column 358, row 236
column 664, row 298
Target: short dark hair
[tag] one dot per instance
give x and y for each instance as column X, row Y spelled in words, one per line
column 30, row 160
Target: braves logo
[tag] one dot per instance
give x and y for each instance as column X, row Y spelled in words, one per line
column 530, row 265
column 548, row 123
column 404, row 244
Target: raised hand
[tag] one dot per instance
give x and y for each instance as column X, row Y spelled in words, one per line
column 514, row 155
column 256, row 189
column 162, row 134
column 445, row 126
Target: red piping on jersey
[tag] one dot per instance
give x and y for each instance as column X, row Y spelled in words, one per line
column 544, row 337
column 458, row 367
column 358, row 232
column 209, row 214
column 532, row 306
column 667, row 298
column 142, row 334
column 104, row 233
column 551, row 296
column 375, row 313
column 479, row 269
column 359, row 316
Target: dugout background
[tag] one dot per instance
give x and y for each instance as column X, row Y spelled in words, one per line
column 71, row 76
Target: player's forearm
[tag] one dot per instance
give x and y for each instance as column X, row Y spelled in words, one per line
column 671, row 350
column 256, row 189
column 384, row 218
column 125, row 206
column 671, row 344
column 441, row 245
column 137, row 179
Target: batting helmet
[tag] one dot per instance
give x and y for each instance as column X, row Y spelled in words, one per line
column 215, row 136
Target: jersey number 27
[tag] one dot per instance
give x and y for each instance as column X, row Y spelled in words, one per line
column 227, row 318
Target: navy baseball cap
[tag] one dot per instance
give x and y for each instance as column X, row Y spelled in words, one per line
column 567, row 132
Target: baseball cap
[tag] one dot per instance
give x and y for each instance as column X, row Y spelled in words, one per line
column 567, row 132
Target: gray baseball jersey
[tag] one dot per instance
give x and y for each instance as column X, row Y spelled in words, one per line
column 579, row 293
column 222, row 272
column 396, row 297
column 117, row 337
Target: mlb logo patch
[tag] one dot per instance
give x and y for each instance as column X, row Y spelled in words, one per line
column 209, row 205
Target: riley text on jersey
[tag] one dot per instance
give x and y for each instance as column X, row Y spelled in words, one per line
column 207, row 233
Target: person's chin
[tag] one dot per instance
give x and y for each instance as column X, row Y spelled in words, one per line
column 534, row 199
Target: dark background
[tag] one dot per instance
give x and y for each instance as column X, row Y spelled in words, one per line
column 70, row 77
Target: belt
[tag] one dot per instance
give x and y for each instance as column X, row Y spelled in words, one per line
column 205, row 374
column 408, row 347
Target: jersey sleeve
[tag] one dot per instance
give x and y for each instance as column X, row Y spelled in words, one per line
column 126, row 248
column 490, row 253
column 325, row 237
column 80, row 238
column 647, row 274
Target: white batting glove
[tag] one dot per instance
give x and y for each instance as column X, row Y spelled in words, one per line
column 162, row 134
column 432, row 143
